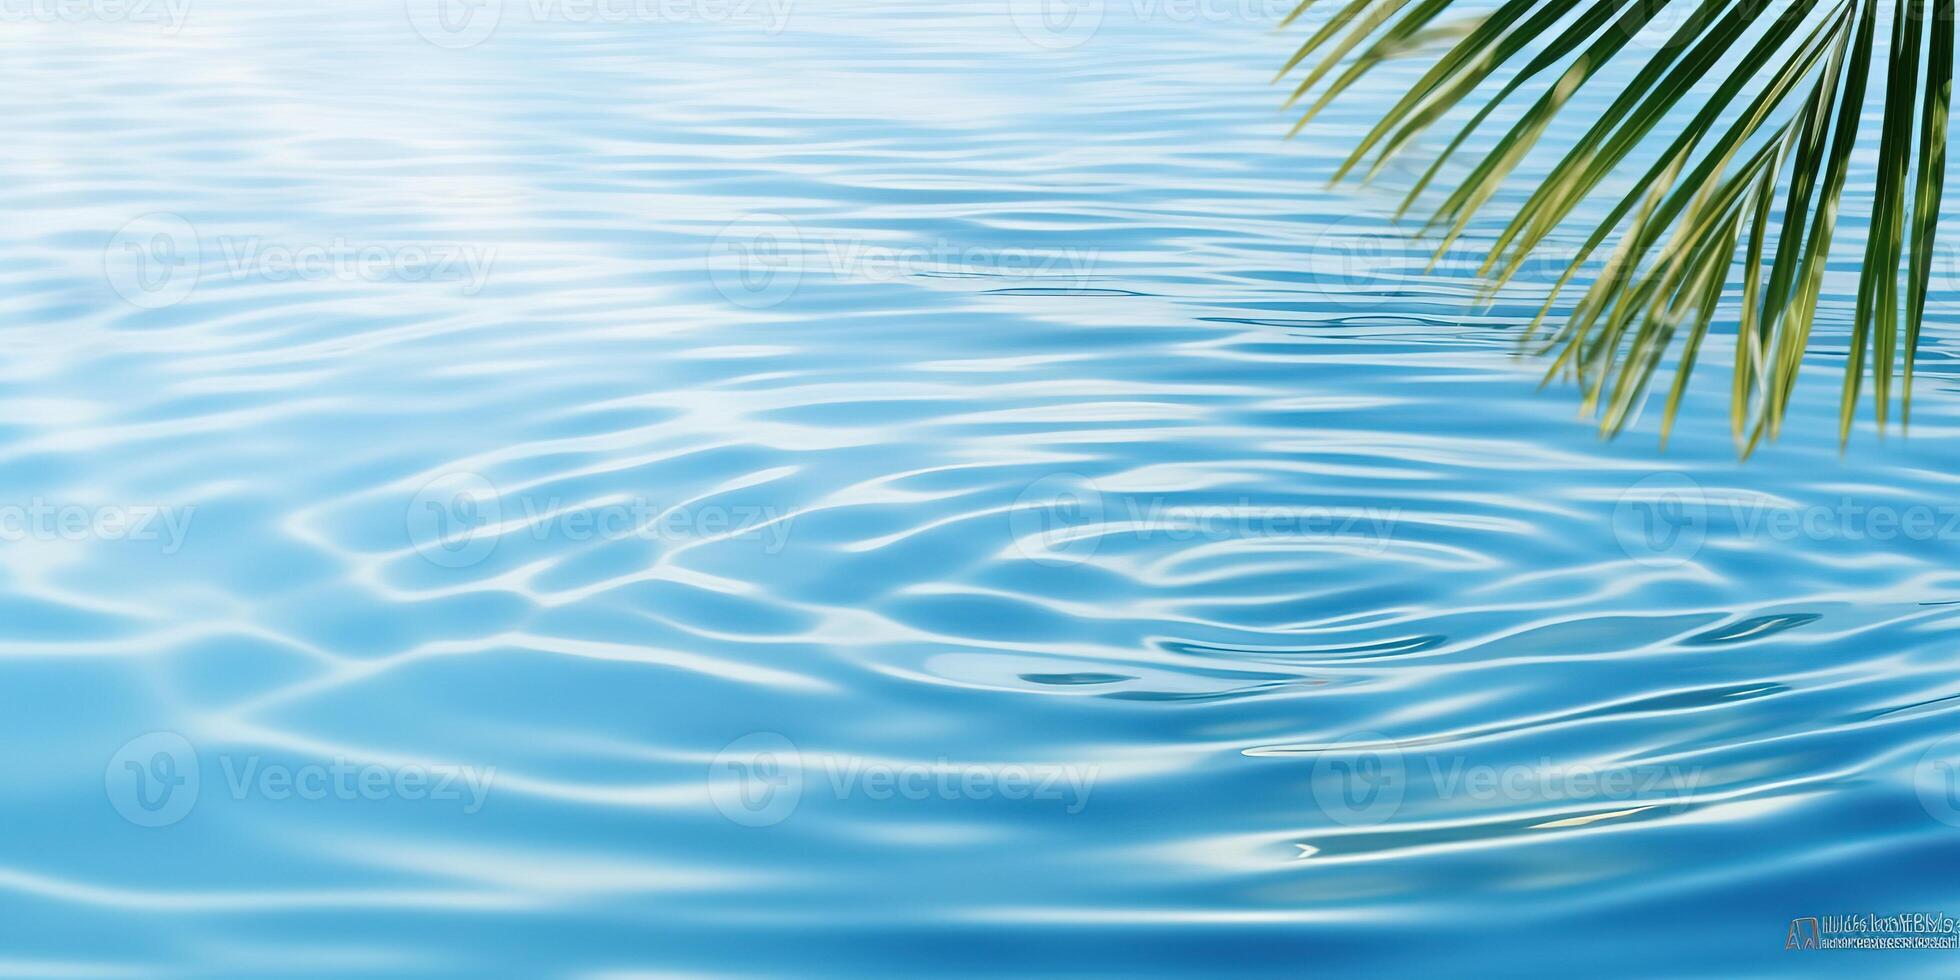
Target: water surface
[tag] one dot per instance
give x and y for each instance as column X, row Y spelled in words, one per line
column 891, row 488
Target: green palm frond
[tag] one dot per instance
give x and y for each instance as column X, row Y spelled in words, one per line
column 1737, row 130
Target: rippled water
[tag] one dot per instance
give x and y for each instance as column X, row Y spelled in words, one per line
column 845, row 487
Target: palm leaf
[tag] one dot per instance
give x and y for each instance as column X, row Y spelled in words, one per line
column 1746, row 102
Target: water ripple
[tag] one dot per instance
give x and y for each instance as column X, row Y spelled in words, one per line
column 880, row 487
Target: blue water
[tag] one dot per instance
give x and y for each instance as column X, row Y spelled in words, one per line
column 886, row 488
